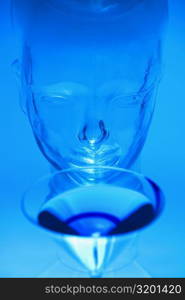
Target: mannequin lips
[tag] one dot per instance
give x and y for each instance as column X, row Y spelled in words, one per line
column 106, row 155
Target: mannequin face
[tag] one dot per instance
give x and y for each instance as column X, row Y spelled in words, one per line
column 78, row 121
column 89, row 88
column 75, row 127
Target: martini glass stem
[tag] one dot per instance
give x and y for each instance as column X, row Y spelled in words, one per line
column 96, row 274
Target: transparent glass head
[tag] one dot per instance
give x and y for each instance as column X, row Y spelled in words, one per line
column 94, row 222
column 89, row 74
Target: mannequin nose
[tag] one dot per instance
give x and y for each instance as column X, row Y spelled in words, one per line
column 94, row 133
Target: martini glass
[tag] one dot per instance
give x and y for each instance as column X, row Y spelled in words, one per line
column 94, row 214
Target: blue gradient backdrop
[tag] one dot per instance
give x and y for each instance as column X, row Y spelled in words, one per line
column 24, row 250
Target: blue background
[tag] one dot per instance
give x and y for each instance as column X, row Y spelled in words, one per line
column 24, row 250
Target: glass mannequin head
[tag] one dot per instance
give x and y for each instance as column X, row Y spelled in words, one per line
column 89, row 74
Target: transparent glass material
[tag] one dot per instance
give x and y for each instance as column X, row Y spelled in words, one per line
column 94, row 222
column 89, row 73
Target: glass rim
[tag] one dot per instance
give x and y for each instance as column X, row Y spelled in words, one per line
column 159, row 201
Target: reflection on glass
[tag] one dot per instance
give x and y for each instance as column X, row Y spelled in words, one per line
column 94, row 222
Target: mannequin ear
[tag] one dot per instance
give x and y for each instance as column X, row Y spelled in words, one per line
column 16, row 66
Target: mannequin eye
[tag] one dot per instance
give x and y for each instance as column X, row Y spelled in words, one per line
column 60, row 93
column 55, row 100
column 126, row 100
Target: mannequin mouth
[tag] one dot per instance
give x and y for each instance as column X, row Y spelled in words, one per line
column 105, row 156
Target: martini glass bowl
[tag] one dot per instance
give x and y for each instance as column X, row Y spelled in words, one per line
column 94, row 214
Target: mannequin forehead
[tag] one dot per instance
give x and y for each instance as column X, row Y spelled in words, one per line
column 90, row 70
